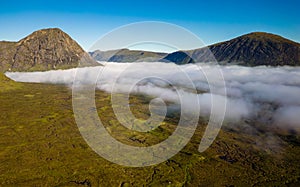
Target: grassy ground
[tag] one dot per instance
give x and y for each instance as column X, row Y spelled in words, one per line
column 40, row 145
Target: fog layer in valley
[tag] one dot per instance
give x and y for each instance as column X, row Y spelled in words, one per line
column 270, row 95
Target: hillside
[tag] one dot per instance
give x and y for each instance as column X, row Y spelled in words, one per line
column 44, row 49
column 126, row 55
column 7, row 84
column 41, row 146
column 252, row 49
column 103, row 55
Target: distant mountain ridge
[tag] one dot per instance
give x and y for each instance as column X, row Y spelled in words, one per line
column 126, row 55
column 253, row 49
column 44, row 49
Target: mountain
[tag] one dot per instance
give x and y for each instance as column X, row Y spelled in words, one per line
column 178, row 57
column 44, row 49
column 257, row 48
column 126, row 55
column 103, row 55
column 52, row 48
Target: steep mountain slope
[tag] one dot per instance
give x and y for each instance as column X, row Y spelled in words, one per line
column 44, row 49
column 126, row 55
column 252, row 49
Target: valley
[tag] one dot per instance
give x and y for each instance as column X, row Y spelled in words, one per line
column 41, row 145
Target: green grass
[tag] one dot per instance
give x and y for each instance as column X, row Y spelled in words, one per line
column 7, row 84
column 40, row 145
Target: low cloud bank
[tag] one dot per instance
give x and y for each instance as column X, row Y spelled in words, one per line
column 271, row 94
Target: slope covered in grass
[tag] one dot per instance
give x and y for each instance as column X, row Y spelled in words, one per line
column 40, row 145
column 7, row 84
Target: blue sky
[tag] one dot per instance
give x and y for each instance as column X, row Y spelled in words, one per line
column 212, row 21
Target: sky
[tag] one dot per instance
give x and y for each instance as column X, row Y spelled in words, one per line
column 212, row 21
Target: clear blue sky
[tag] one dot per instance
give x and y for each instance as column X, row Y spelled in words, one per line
column 213, row 21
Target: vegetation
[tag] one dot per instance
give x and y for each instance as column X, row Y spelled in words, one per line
column 40, row 145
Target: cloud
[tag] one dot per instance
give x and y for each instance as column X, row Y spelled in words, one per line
column 288, row 116
column 250, row 91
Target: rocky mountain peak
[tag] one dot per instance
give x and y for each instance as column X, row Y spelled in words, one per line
column 44, row 49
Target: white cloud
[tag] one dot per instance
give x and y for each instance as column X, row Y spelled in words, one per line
column 248, row 89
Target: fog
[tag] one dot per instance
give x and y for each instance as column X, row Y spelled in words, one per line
column 268, row 94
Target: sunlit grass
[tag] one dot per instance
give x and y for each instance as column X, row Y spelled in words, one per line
column 40, row 145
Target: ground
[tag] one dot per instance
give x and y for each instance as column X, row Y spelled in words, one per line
column 40, row 145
